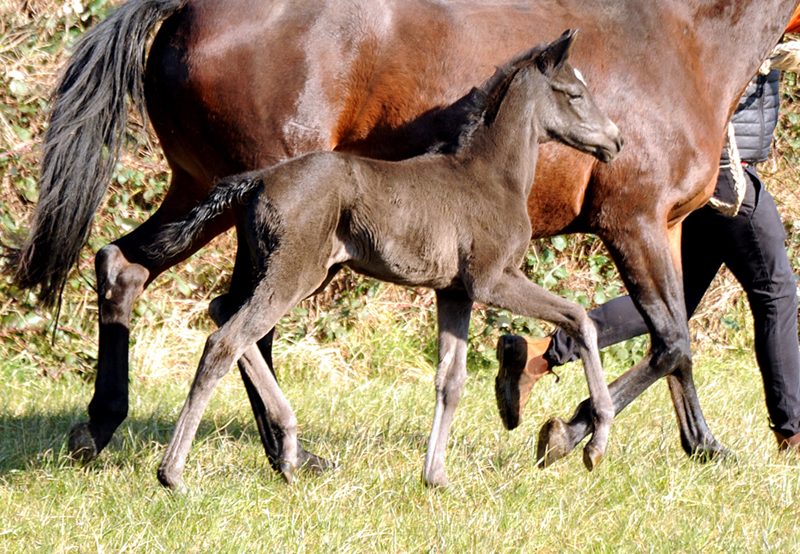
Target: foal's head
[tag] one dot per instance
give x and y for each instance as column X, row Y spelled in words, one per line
column 565, row 109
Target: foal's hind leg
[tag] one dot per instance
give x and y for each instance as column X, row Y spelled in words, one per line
column 254, row 365
column 453, row 309
column 513, row 291
column 238, row 335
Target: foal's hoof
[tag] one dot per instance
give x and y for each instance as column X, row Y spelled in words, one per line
column 312, row 463
column 171, row 481
column 553, row 443
column 81, row 445
column 591, row 457
column 287, row 471
column 438, row 480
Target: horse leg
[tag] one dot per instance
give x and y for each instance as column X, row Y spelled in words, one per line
column 515, row 292
column 119, row 283
column 652, row 275
column 270, row 407
column 227, row 344
column 269, row 300
column 269, row 428
column 453, row 314
column 123, row 270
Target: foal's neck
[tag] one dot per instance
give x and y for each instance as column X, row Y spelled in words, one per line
column 505, row 150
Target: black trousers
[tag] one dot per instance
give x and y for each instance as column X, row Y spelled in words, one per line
column 752, row 245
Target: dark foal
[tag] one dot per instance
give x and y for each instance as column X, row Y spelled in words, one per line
column 454, row 222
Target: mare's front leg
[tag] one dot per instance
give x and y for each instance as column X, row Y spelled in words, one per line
column 123, row 270
column 651, row 270
column 513, row 291
column 453, row 314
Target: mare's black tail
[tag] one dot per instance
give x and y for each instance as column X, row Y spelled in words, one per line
column 83, row 140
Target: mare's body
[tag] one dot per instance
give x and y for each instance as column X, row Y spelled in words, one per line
column 234, row 85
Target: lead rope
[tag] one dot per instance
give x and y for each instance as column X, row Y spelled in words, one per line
column 735, row 166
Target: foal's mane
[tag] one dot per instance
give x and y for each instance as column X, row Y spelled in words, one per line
column 480, row 106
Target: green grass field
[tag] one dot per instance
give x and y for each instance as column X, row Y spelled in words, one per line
column 357, row 366
column 372, row 417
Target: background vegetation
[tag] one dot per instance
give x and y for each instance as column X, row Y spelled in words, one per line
column 357, row 364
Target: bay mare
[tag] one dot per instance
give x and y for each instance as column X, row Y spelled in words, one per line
column 455, row 222
column 236, row 85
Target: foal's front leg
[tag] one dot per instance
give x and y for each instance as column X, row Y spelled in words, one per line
column 454, row 308
column 513, row 291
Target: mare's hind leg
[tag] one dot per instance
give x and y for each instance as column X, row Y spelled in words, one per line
column 123, row 271
column 513, row 291
column 453, row 313
column 655, row 285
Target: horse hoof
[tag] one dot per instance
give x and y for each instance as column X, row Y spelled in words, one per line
column 171, row 481
column 81, row 445
column 553, row 442
column 287, row 471
column 711, row 452
column 591, row 457
column 435, row 479
column 312, row 463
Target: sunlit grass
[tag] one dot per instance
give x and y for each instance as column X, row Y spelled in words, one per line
column 645, row 496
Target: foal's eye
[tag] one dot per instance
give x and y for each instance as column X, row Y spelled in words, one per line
column 575, row 97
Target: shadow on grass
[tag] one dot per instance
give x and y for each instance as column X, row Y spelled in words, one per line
column 39, row 441
column 36, row 441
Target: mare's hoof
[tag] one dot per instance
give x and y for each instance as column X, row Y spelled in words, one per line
column 711, row 451
column 81, row 445
column 591, row 457
column 553, row 443
column 312, row 463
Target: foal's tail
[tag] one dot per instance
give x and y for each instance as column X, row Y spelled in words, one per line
column 179, row 236
column 83, row 140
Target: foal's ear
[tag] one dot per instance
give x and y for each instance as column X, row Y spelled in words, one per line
column 556, row 53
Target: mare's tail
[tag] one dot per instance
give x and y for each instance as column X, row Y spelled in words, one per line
column 83, row 140
column 179, row 236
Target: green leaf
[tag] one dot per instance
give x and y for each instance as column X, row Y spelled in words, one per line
column 559, row 243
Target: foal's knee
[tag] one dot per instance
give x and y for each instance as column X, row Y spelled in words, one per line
column 577, row 324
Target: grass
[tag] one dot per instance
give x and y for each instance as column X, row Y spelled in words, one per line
column 372, row 418
column 357, row 365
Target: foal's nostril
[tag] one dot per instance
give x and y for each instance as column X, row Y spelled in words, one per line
column 620, row 142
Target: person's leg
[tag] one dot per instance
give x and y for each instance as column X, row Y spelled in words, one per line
column 762, row 267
